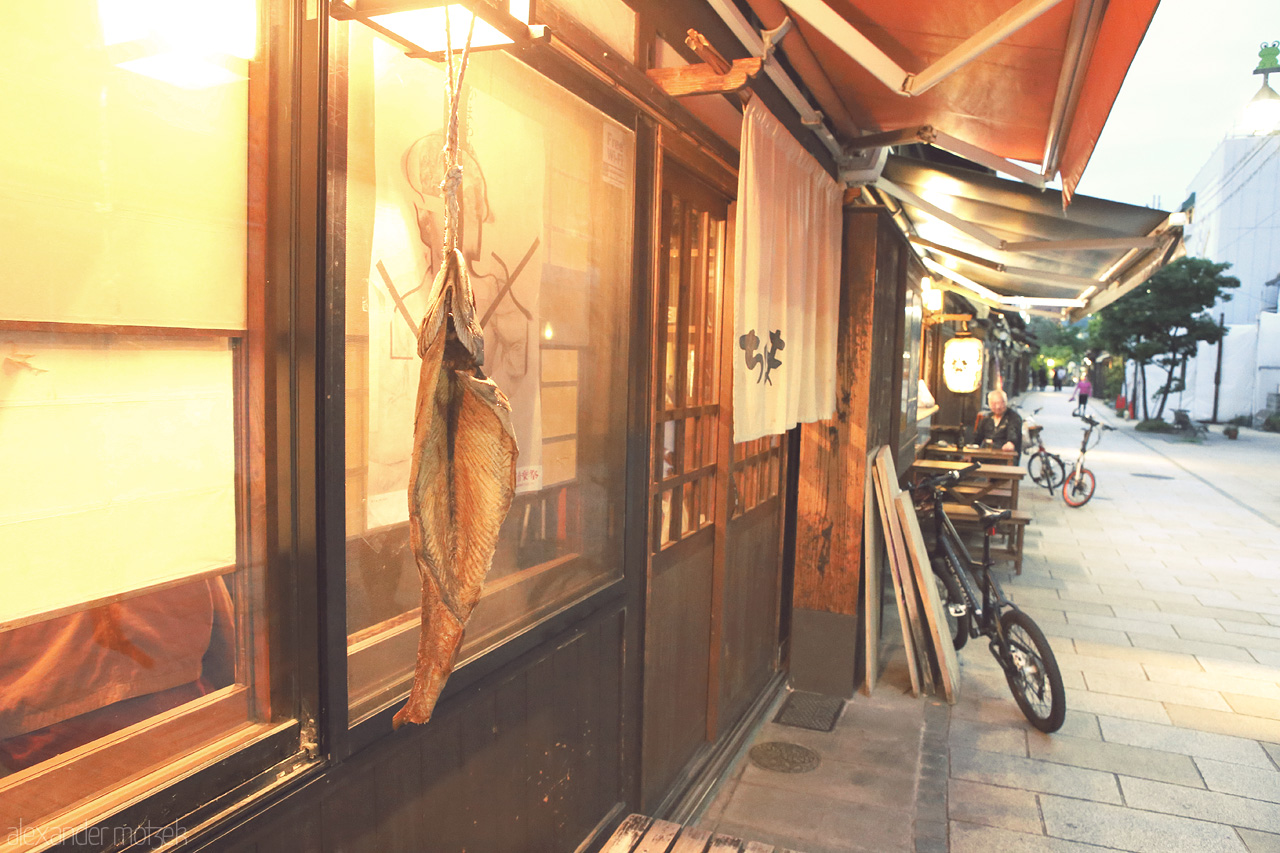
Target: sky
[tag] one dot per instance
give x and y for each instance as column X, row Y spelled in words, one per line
column 1186, row 90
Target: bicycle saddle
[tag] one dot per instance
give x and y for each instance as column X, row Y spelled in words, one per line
column 989, row 515
column 1034, row 431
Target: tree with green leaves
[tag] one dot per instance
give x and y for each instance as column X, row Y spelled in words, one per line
column 1164, row 321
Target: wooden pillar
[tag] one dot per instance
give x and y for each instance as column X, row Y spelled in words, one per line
column 832, row 466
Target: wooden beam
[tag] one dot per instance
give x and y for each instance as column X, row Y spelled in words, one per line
column 698, row 43
column 702, row 79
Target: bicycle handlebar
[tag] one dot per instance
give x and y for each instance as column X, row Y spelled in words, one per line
column 939, row 480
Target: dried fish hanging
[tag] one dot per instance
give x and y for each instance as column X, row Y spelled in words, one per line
column 463, row 472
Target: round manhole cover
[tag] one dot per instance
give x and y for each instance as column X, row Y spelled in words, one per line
column 782, row 757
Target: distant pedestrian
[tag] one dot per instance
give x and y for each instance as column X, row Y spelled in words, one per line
column 1081, row 395
column 1057, row 378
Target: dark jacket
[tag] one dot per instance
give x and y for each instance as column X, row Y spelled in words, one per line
column 1008, row 429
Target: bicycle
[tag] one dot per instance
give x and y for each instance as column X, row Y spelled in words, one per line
column 1014, row 639
column 1080, row 483
column 1045, row 468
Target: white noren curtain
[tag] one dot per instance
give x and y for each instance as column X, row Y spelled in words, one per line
column 787, row 298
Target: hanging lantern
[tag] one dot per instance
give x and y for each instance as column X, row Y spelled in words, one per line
column 962, row 364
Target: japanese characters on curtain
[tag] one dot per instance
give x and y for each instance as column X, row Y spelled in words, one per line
column 787, row 296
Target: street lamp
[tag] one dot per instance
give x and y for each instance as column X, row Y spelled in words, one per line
column 1262, row 115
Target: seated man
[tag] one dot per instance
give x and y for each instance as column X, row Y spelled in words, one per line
column 1001, row 426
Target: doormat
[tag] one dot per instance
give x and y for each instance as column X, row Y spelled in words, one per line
column 1152, row 476
column 782, row 757
column 812, row 711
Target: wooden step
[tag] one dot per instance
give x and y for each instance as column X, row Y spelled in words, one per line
column 640, row 834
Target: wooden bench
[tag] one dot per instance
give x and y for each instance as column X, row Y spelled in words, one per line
column 1014, row 528
column 640, row 834
column 998, row 497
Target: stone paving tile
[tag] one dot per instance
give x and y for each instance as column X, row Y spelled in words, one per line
column 1200, row 804
column 1118, row 758
column 1242, row 669
column 1129, row 626
column 1008, row 739
column 1236, row 750
column 1071, row 631
column 1131, row 829
column 1224, row 723
column 1238, row 627
column 1260, row 842
column 1252, row 782
column 882, row 784
column 1254, row 706
column 1167, row 617
column 777, row 816
column 1199, row 648
column 1204, row 611
column 1242, row 641
column 1134, row 602
column 1079, row 724
column 1090, row 664
column 849, row 745
column 1142, row 656
column 1110, row 705
column 1028, row 775
column 977, row 838
column 1008, row 808
column 1156, row 691
column 1215, row 681
column 1271, row 659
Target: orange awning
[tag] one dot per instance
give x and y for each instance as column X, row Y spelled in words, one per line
column 1039, row 94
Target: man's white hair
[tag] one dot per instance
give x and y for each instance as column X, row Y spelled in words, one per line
column 991, row 395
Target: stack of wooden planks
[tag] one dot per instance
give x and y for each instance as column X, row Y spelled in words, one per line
column 897, row 540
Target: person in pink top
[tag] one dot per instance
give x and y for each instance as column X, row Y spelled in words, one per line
column 1081, row 395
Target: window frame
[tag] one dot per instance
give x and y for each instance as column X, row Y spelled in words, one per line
column 340, row 738
column 275, row 368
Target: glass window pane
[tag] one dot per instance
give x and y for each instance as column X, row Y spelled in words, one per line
column 713, row 276
column 547, row 236
column 669, row 304
column 131, row 435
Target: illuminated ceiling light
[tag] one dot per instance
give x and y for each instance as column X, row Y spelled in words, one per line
column 962, row 364
column 189, row 44
column 1262, row 115
column 932, row 296
column 419, row 25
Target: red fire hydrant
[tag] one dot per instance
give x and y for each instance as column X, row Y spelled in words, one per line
column 1121, row 405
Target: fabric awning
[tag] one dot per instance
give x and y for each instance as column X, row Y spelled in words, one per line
column 1038, row 94
column 1087, row 256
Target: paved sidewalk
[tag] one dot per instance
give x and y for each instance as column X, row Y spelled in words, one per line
column 1161, row 598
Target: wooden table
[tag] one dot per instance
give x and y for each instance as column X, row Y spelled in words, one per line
column 971, row 452
column 987, row 478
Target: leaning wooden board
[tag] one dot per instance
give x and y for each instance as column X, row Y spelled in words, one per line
column 873, row 566
column 903, row 585
column 936, row 617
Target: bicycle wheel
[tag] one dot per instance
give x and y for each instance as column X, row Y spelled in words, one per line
column 1032, row 672
column 949, row 593
column 1078, row 488
column 1046, row 470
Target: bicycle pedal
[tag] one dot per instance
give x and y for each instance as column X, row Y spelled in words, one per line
column 957, row 610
